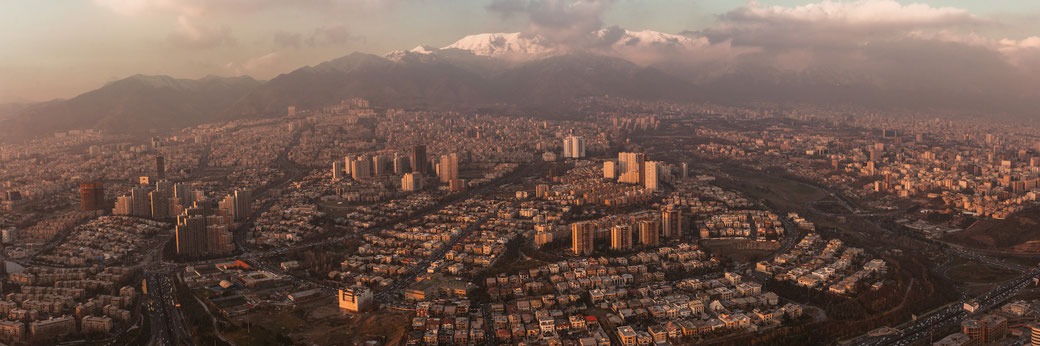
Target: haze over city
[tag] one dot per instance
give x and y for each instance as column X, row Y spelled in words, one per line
column 519, row 172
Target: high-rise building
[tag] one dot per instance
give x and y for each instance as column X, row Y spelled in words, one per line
column 160, row 204
column 401, row 165
column 671, row 222
column 610, row 170
column 219, row 239
column 160, row 167
column 685, row 170
column 448, row 168
column 191, row 232
column 648, row 232
column 203, row 232
column 621, row 237
column 456, row 185
column 582, row 234
column 632, row 168
column 337, row 170
column 381, row 165
column 573, row 147
column 541, row 190
column 124, row 205
column 411, row 182
column 361, row 168
column 142, row 202
column 419, row 162
column 238, row 204
column 183, row 192
column 164, row 186
column 651, row 175
column 92, row 195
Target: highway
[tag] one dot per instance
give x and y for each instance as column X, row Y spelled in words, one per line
column 167, row 323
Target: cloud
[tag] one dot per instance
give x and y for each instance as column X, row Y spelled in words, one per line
column 333, row 34
column 285, row 39
column 262, row 66
column 211, row 7
column 565, row 22
column 190, row 35
column 833, row 24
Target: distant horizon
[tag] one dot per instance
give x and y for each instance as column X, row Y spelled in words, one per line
column 61, row 50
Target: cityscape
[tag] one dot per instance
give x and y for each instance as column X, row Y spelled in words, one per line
column 868, row 176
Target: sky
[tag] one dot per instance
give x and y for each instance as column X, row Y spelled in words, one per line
column 59, row 49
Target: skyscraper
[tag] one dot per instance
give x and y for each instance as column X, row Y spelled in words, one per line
column 337, row 170
column 573, row 147
column 411, row 182
column 182, row 191
column 202, row 232
column 160, row 204
column 651, row 173
column 448, row 168
column 238, row 204
column 124, row 206
column 381, row 165
column 142, row 202
column 671, row 222
column 648, row 232
column 621, row 237
column 92, row 195
column 160, row 167
column 632, row 168
column 361, row 168
column 419, row 163
column 610, row 170
column 582, row 234
column 401, row 165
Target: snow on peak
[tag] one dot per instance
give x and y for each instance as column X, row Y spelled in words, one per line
column 504, row 45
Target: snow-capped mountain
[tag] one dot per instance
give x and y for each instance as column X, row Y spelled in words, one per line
column 505, row 45
column 526, row 46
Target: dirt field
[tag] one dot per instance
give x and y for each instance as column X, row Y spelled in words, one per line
column 1019, row 233
column 979, row 273
column 322, row 323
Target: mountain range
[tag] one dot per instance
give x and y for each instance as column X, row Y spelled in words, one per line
column 514, row 70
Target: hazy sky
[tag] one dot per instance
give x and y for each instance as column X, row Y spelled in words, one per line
column 53, row 49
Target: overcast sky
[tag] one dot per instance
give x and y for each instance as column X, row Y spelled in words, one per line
column 58, row 49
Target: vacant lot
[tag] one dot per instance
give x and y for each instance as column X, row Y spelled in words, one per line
column 779, row 192
column 1019, row 233
column 979, row 273
column 322, row 323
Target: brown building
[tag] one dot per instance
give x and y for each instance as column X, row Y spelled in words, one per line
column 648, row 232
column 419, row 161
column 582, row 234
column 92, row 196
column 201, row 232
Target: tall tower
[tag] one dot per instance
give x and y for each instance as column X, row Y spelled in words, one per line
column 449, row 167
column 142, row 202
column 648, row 232
column 671, row 222
column 160, row 167
column 92, row 195
column 419, row 163
column 621, row 237
column 160, row 203
column 201, row 231
column 581, row 237
column 191, row 232
column 651, row 174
